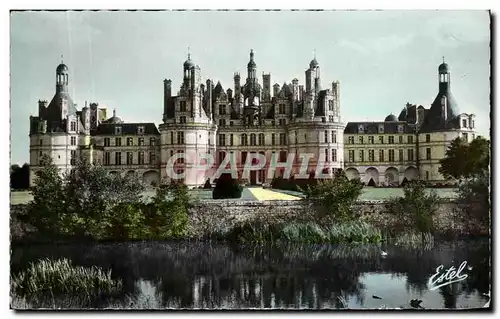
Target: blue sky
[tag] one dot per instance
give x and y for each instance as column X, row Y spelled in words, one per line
column 382, row 59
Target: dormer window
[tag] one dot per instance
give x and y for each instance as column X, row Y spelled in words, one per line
column 140, row 130
column 464, row 123
column 361, row 129
column 381, row 128
column 118, row 130
column 400, row 128
column 73, row 126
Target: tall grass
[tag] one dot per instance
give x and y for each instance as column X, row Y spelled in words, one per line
column 308, row 233
column 61, row 277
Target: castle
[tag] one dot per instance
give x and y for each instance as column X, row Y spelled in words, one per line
column 203, row 118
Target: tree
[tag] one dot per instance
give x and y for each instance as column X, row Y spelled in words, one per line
column 454, row 165
column 337, row 195
column 48, row 206
column 19, row 176
column 466, row 160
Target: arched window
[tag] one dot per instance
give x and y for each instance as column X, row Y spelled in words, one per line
column 253, row 139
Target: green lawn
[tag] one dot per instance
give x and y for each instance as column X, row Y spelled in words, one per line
column 369, row 193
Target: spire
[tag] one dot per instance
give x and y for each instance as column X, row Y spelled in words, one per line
column 114, row 112
column 189, row 53
column 251, row 54
column 62, row 59
column 443, row 58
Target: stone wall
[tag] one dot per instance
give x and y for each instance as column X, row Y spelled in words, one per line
column 220, row 215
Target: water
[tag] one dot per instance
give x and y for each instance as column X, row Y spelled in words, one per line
column 208, row 275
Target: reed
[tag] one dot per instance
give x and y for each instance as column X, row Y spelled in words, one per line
column 61, row 277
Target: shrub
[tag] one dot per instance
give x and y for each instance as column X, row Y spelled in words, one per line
column 337, row 195
column 207, row 185
column 416, row 208
column 286, row 184
column 61, row 277
column 474, row 194
column 227, row 187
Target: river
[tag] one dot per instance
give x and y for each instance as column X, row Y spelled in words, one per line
column 214, row 275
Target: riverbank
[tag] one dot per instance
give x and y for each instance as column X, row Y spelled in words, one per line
column 209, row 217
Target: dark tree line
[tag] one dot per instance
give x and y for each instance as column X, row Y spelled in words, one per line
column 20, row 176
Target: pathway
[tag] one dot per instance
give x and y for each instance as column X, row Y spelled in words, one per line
column 266, row 194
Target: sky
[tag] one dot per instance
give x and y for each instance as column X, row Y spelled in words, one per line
column 382, row 59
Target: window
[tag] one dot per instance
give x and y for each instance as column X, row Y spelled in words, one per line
column 180, row 137
column 282, row 122
column 183, row 106
column 381, row 156
column 220, row 157
column 361, row 140
column 391, row 139
column 129, row 158
column 171, row 153
column 283, row 156
column 243, row 157
column 73, row 157
column 428, row 153
column 141, row 141
column 140, row 130
column 465, row 136
column 244, row 140
column 231, row 140
column 464, row 123
column 391, row 155
column 73, row 140
column 371, row 155
column 330, row 105
column 118, row 141
column 323, row 119
column 107, row 158
column 410, row 139
column 73, row 126
column 41, row 142
column 273, row 123
column 41, row 154
column 330, row 118
column 282, row 109
column 427, row 175
column 427, row 138
column 361, row 155
column 361, row 129
column 381, row 139
column 181, row 157
column 273, row 139
column 261, row 139
column 222, row 139
column 326, row 155
column 334, row 155
column 152, row 141
column 334, row 137
column 152, row 158
column 118, row 158
column 222, row 122
column 326, row 136
column 400, row 139
column 209, row 140
column 371, row 140
column 282, row 139
column 171, row 137
column 182, row 120
column 410, row 155
column 400, row 129
column 141, row 158
column 130, row 141
column 253, row 139
column 401, row 155
column 351, row 155
column 381, row 128
column 231, row 123
column 118, row 130
column 222, row 109
column 351, row 139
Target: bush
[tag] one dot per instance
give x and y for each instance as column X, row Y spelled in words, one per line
column 416, row 208
column 337, row 195
column 61, row 277
column 227, row 187
column 474, row 194
column 286, row 184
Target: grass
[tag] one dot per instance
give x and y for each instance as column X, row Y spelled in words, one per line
column 307, row 233
column 61, row 277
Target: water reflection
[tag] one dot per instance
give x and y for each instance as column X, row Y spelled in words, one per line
column 206, row 275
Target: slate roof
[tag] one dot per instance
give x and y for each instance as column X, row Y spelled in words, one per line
column 372, row 127
column 434, row 117
column 127, row 129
